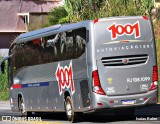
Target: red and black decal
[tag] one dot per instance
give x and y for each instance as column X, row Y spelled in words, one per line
column 127, row 29
column 65, row 78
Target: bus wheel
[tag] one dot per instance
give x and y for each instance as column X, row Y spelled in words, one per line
column 72, row 117
column 24, row 113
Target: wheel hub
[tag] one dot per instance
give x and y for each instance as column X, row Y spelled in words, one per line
column 23, row 108
column 69, row 109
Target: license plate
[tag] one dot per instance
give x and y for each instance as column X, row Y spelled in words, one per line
column 128, row 102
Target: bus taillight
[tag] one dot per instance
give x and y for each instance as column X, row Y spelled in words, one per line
column 96, row 83
column 154, row 84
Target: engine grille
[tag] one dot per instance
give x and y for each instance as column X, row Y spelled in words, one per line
column 124, row 60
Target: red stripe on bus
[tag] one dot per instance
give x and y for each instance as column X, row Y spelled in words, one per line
column 17, row 86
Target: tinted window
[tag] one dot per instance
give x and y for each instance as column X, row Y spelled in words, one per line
column 57, row 47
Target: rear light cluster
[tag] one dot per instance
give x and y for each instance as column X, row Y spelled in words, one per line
column 154, row 84
column 100, row 104
column 96, row 83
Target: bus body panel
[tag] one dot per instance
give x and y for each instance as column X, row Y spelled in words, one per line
column 125, row 61
column 44, row 90
column 123, row 78
column 111, row 102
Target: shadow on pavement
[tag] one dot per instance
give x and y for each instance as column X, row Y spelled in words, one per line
column 108, row 116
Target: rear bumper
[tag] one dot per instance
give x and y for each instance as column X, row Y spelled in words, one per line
column 150, row 97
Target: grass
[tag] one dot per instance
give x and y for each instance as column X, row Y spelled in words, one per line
column 4, row 95
column 4, row 91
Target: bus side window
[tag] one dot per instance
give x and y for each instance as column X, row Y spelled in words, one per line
column 80, row 41
column 57, row 47
column 73, row 43
column 70, row 47
column 51, row 51
column 62, row 43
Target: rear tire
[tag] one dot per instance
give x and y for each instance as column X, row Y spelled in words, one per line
column 71, row 115
column 22, row 109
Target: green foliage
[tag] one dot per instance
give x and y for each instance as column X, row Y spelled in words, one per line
column 80, row 10
column 124, row 8
column 57, row 16
column 157, row 38
column 4, row 92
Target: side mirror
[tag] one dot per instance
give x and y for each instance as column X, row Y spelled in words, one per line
column 2, row 68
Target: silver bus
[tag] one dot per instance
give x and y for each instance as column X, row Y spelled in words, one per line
column 84, row 67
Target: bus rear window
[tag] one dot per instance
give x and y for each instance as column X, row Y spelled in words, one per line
column 122, row 30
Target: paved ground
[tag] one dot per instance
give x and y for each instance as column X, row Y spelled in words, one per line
column 149, row 115
column 4, row 105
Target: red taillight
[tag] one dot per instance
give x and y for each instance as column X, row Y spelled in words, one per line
column 154, row 84
column 154, row 99
column 145, row 99
column 96, row 83
column 111, row 102
column 99, row 104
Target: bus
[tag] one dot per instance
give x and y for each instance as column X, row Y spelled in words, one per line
column 84, row 67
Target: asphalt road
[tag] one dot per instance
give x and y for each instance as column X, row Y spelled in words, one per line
column 147, row 115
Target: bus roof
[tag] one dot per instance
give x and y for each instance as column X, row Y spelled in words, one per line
column 40, row 31
column 48, row 30
column 58, row 28
column 120, row 17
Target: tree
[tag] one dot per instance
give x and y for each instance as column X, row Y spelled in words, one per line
column 80, row 10
column 57, row 15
